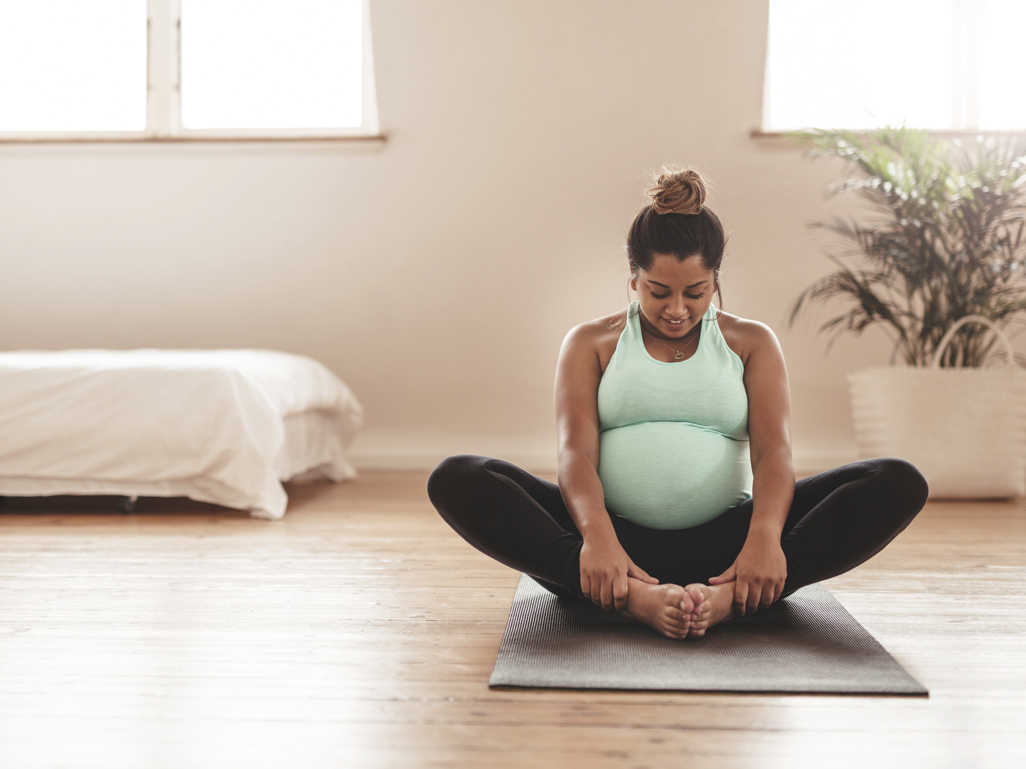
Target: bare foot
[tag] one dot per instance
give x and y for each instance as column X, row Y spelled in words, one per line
column 713, row 604
column 666, row 609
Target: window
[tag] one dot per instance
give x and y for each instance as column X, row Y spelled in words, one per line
column 67, row 65
column 185, row 69
column 936, row 64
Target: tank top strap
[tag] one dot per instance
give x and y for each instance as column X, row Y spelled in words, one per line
column 717, row 342
column 633, row 310
column 633, row 342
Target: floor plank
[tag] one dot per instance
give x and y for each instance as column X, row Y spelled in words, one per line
column 360, row 631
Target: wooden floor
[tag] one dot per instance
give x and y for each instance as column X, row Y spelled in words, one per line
column 360, row 632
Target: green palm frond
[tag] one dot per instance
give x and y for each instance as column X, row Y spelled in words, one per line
column 948, row 239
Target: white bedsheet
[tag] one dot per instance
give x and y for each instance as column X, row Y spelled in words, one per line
column 222, row 426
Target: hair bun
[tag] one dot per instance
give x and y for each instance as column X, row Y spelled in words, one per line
column 678, row 191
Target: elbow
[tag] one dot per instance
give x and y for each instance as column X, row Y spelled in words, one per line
column 570, row 455
column 778, row 456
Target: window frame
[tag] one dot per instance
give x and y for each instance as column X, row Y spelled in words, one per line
column 164, row 99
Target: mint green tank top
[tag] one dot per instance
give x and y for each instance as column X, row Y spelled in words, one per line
column 673, row 446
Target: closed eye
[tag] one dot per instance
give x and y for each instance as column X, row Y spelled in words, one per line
column 689, row 296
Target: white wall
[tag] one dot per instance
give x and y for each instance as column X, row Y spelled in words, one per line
column 438, row 273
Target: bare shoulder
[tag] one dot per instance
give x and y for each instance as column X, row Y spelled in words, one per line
column 596, row 337
column 744, row 336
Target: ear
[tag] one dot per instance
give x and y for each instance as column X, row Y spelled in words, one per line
column 634, row 283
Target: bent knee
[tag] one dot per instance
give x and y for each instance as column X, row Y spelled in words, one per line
column 903, row 478
column 452, row 473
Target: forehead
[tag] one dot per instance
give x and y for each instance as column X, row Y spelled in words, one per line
column 670, row 270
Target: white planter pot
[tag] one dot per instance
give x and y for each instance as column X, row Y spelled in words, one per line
column 964, row 428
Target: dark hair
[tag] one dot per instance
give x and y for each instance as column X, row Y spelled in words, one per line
column 677, row 223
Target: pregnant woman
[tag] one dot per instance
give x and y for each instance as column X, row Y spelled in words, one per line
column 676, row 501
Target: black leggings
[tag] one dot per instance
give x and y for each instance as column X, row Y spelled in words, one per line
column 838, row 519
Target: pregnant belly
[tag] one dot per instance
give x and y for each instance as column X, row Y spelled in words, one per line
column 672, row 475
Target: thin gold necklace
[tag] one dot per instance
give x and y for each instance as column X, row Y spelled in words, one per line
column 677, row 354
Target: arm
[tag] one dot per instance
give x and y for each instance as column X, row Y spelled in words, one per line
column 605, row 566
column 760, row 569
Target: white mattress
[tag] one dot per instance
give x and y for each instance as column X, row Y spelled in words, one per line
column 222, row 426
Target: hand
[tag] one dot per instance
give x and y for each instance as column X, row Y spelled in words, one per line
column 605, row 568
column 758, row 571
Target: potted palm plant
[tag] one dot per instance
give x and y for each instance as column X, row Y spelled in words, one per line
column 938, row 263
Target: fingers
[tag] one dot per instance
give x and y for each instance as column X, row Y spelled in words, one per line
column 608, row 588
column 593, row 590
column 728, row 576
column 740, row 596
column 754, row 597
column 633, row 570
column 620, row 592
column 760, row 596
column 598, row 590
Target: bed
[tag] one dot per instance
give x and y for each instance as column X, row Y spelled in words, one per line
column 221, row 426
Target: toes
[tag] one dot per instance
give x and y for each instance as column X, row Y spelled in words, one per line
column 674, row 633
column 696, row 593
column 698, row 629
column 687, row 603
column 674, row 617
column 701, row 611
column 675, row 624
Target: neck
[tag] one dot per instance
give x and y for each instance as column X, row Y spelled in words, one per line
column 681, row 341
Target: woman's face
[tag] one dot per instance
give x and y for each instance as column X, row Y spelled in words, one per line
column 674, row 295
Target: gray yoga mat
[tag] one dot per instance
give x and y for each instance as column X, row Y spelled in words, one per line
column 804, row 644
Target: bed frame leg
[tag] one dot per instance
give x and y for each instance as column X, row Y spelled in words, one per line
column 127, row 504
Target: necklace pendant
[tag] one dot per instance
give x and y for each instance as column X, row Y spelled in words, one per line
column 679, row 355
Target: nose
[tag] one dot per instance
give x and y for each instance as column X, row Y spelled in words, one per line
column 677, row 308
